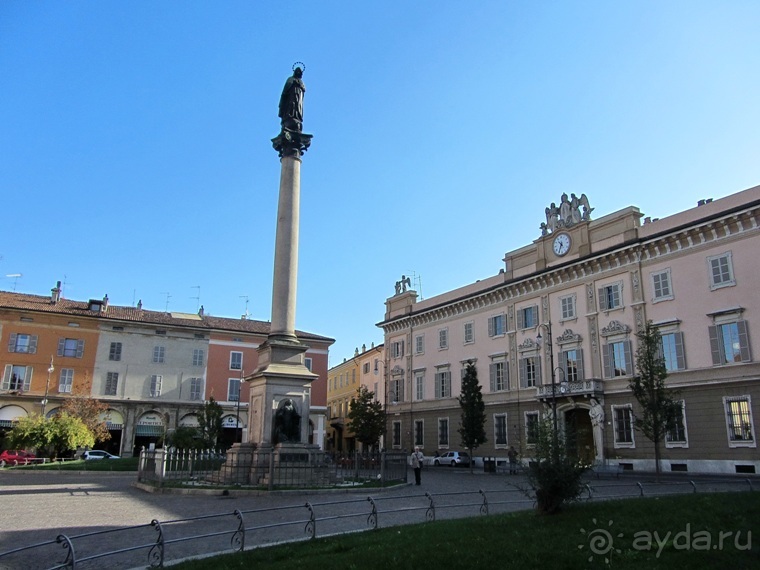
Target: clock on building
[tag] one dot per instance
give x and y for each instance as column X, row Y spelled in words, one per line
column 561, row 244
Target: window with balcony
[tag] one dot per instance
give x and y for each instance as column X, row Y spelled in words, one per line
column 618, row 359
column 571, row 362
column 530, row 371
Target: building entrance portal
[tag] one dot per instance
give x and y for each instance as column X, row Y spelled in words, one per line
column 580, row 435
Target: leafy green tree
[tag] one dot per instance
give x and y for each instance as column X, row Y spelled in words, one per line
column 471, row 428
column 185, row 437
column 55, row 435
column 660, row 411
column 367, row 418
column 555, row 473
column 89, row 410
column 210, row 423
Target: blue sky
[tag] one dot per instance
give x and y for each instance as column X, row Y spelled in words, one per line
column 135, row 153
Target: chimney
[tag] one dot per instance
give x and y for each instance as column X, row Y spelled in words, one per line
column 105, row 303
column 364, row 348
column 56, row 293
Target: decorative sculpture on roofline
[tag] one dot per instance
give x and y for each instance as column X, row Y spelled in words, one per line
column 567, row 214
column 292, row 141
column 403, row 285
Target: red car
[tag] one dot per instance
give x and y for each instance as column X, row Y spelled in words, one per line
column 16, row 457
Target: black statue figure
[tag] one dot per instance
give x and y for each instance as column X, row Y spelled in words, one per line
column 291, row 102
column 287, row 423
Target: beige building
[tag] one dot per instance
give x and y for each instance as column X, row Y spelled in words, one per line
column 560, row 321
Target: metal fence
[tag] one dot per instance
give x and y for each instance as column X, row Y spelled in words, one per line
column 159, row 542
column 286, row 468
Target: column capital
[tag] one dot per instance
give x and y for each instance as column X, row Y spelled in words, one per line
column 291, row 143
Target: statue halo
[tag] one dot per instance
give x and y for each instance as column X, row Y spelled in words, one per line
column 300, row 64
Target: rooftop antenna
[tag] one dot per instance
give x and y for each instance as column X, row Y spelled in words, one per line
column 63, row 287
column 15, row 277
column 198, row 298
column 417, row 283
column 246, row 314
column 168, row 296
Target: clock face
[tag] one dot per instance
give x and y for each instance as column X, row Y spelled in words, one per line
column 561, row 244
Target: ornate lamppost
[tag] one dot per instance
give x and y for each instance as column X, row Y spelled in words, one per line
column 50, row 370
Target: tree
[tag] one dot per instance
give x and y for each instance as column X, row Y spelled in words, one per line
column 471, row 428
column 55, row 435
column 185, row 437
column 367, row 417
column 89, row 410
column 210, row 423
column 660, row 412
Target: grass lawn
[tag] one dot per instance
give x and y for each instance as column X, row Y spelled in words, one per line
column 125, row 464
column 678, row 533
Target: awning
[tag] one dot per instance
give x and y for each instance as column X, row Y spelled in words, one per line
column 149, row 431
column 111, row 426
column 6, row 423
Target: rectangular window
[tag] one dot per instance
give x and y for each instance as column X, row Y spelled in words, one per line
column 721, row 271
column 496, row 325
column 567, row 307
column 196, row 389
column 396, row 435
column 661, row 288
column 236, row 360
column 610, row 297
column 741, row 432
column 443, row 432
column 419, row 386
column 233, row 390
column 530, row 371
column 198, row 357
column 365, row 368
column 531, row 428
column 623, row 425
column 672, row 351
column 527, row 317
column 617, row 359
column 66, row 380
column 17, row 378
column 419, row 433
column 155, row 385
column 70, row 347
column 497, row 372
column 469, row 336
column 500, row 430
column 397, row 349
column 730, row 343
column 443, row 384
column 397, row 390
column 307, row 362
column 443, row 339
column 114, row 353
column 26, row 343
column 112, row 383
column 677, row 436
column 419, row 344
column 159, row 353
column 571, row 362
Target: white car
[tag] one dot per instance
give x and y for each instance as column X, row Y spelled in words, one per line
column 452, row 458
column 98, row 454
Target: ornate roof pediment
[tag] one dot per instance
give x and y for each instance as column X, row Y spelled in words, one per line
column 615, row 327
column 569, row 336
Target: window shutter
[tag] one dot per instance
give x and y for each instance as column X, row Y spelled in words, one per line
column 7, row 376
column 537, row 362
column 562, row 364
column 715, row 346
column 12, row 342
column 61, row 346
column 490, row 326
column 506, row 375
column 28, row 379
column 521, row 319
column 33, row 344
column 80, row 348
column 438, row 378
column 744, row 341
column 628, row 357
column 492, row 375
column 607, row 361
column 402, row 348
column 680, row 354
column 523, row 372
column 579, row 364
column 602, row 300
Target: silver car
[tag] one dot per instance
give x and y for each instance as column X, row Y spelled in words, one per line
column 453, row 458
column 98, row 454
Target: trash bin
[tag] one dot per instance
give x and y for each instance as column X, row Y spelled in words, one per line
column 489, row 465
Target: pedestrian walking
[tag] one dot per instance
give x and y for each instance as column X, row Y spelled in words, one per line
column 417, row 460
column 512, row 455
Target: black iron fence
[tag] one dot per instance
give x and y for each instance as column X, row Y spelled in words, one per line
column 269, row 469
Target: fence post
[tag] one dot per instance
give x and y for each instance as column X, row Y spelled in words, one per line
column 156, row 554
column 71, row 558
column 239, row 536
column 311, row 525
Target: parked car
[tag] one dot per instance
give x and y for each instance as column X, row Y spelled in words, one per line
column 453, row 458
column 17, row 457
column 98, row 454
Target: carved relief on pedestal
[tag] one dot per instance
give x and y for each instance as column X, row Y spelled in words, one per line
column 592, row 333
column 590, row 302
column 636, row 282
column 638, row 314
column 545, row 307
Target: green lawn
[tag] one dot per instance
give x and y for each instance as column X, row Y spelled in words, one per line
column 682, row 532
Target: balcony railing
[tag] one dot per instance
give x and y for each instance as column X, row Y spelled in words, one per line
column 590, row 387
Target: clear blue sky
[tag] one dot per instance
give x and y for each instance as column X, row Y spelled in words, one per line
column 135, row 154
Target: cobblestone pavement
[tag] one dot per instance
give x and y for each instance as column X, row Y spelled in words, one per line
column 38, row 506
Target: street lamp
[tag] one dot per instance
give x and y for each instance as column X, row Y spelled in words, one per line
column 550, row 350
column 50, row 370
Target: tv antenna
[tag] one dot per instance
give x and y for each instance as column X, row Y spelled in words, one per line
column 168, row 296
column 246, row 314
column 198, row 298
column 15, row 277
column 417, row 283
